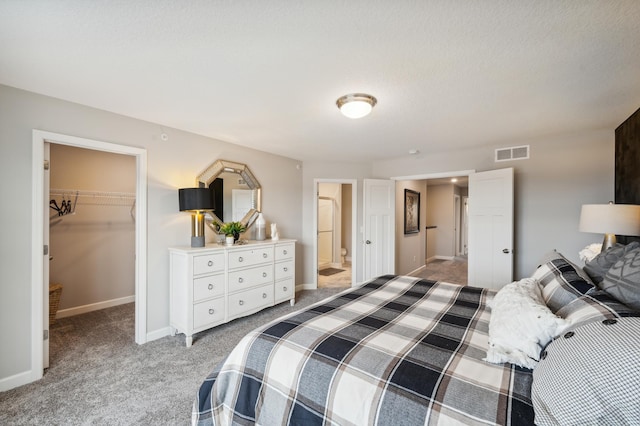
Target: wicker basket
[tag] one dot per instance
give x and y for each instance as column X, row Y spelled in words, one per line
column 55, row 290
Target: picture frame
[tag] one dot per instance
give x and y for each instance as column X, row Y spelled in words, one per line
column 411, row 212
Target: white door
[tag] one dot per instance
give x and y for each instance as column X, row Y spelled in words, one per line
column 241, row 203
column 491, row 228
column 47, row 255
column 379, row 227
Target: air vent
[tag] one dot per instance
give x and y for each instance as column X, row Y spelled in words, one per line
column 513, row 153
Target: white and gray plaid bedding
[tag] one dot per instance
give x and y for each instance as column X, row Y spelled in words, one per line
column 396, row 351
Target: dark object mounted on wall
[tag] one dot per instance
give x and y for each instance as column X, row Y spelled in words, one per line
column 411, row 212
column 627, row 172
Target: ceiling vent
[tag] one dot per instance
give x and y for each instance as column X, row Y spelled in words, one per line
column 513, row 153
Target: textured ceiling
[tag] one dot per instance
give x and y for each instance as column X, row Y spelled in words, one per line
column 265, row 74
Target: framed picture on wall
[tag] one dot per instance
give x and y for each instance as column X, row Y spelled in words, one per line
column 411, row 212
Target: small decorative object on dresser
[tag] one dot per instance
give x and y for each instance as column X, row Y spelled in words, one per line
column 217, row 284
column 274, row 232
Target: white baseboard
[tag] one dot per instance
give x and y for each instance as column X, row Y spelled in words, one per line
column 432, row 258
column 158, row 334
column 306, row 287
column 18, row 380
column 94, row 306
column 415, row 271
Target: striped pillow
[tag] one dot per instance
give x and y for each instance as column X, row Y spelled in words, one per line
column 561, row 282
column 595, row 306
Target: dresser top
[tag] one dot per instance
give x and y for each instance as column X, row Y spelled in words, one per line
column 244, row 245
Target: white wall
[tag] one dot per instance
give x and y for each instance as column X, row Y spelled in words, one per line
column 563, row 173
column 171, row 164
column 93, row 250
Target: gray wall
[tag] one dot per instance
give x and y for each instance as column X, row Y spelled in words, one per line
column 410, row 248
column 171, row 165
column 563, row 173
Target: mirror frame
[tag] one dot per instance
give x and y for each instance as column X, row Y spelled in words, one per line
column 208, row 175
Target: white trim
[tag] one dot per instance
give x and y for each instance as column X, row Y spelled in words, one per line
column 69, row 312
column 158, row 334
column 416, row 271
column 354, row 227
column 16, row 380
column 435, row 175
column 39, row 138
column 310, row 286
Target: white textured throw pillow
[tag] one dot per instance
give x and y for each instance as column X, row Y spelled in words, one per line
column 521, row 324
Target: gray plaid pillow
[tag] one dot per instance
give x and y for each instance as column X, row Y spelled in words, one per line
column 622, row 280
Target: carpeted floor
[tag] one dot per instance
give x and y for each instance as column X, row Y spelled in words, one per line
column 98, row 375
column 451, row 271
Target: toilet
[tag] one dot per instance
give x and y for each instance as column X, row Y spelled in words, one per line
column 343, row 255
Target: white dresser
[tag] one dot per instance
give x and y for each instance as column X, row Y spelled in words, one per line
column 212, row 285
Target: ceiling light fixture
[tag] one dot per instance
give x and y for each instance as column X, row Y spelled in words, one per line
column 356, row 105
column 414, row 151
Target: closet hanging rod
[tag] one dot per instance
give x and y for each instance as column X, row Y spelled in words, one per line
column 97, row 197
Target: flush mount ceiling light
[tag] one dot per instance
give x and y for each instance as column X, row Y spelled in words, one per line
column 356, row 105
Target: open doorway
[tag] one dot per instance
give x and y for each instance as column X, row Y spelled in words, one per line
column 91, row 225
column 40, row 257
column 335, row 230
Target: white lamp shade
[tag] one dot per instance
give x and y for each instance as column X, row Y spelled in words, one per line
column 618, row 219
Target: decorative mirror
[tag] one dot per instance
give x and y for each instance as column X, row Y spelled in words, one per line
column 237, row 193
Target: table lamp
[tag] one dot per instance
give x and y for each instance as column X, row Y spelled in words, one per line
column 610, row 220
column 196, row 201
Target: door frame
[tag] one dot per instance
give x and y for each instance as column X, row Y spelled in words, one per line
column 39, row 138
column 354, row 224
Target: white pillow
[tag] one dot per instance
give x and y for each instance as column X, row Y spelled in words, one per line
column 521, row 324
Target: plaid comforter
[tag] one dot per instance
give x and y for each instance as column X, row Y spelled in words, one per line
column 396, row 351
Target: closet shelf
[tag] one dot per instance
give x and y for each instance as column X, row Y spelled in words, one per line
column 100, row 198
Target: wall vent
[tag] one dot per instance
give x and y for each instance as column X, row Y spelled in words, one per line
column 513, row 153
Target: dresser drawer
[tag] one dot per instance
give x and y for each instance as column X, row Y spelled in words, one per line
column 285, row 251
column 207, row 287
column 250, row 257
column 250, row 300
column 284, row 290
column 284, row 270
column 208, row 263
column 240, row 280
column 208, row 313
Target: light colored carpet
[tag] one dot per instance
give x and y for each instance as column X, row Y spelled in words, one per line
column 100, row 376
column 451, row 271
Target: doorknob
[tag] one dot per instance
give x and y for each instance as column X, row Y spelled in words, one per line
column 505, row 251
column 367, row 242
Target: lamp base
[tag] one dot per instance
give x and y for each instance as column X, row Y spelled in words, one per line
column 608, row 242
column 197, row 241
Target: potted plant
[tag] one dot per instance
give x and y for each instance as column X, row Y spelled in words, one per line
column 233, row 229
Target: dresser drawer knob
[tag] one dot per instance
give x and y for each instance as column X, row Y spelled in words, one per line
column 264, row 255
column 264, row 295
column 284, row 252
column 210, row 263
column 210, row 286
column 240, row 280
column 211, row 311
column 264, row 275
column 285, row 269
column 241, row 302
column 284, row 288
column 240, row 259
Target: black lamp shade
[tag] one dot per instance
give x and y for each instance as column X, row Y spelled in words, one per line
column 196, row 199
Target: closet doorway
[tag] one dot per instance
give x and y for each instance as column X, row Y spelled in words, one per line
column 40, row 238
column 335, row 229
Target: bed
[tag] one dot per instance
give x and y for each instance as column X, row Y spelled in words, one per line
column 403, row 351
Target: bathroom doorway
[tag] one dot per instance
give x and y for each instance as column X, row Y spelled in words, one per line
column 335, row 225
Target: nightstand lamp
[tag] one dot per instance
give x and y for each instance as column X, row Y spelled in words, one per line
column 610, row 220
column 196, row 201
